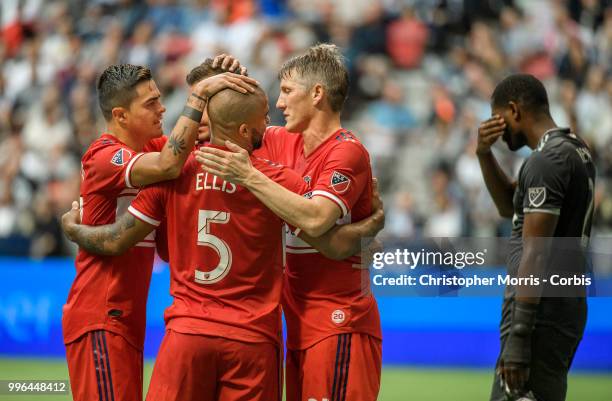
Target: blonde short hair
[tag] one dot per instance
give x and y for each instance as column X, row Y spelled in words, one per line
column 321, row 64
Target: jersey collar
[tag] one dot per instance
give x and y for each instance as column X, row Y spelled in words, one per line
column 320, row 146
column 551, row 133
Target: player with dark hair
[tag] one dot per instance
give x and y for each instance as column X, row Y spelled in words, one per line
column 209, row 67
column 552, row 198
column 334, row 341
column 104, row 317
column 222, row 340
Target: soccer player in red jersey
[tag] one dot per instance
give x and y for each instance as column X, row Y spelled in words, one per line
column 104, row 317
column 333, row 327
column 223, row 339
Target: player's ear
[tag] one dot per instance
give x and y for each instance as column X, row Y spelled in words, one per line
column 243, row 131
column 318, row 93
column 119, row 114
column 515, row 110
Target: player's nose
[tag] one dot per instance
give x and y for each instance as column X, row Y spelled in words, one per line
column 280, row 103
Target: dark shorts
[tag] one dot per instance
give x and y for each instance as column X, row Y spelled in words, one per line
column 558, row 332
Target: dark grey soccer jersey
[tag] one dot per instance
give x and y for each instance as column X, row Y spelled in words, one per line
column 557, row 178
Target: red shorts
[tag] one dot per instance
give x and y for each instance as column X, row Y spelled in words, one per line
column 338, row 368
column 103, row 366
column 205, row 368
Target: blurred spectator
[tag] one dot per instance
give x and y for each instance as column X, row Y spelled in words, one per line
column 389, row 112
column 406, row 40
column 589, row 13
column 445, row 215
column 422, row 73
column 574, row 64
column 400, row 216
column 603, row 41
column 593, row 106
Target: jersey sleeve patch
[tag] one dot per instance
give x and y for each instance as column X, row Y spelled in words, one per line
column 544, row 183
column 121, row 157
column 537, row 196
column 339, row 182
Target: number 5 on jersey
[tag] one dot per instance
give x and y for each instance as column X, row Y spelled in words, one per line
column 205, row 219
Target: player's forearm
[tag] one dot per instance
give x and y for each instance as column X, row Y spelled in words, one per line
column 536, row 253
column 183, row 137
column 108, row 239
column 346, row 240
column 338, row 243
column 289, row 206
column 498, row 184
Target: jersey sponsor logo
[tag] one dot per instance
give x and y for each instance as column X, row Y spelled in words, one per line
column 339, row 182
column 121, row 157
column 537, row 196
column 338, row 316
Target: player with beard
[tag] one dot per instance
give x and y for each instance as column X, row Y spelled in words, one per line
column 337, row 244
column 103, row 320
column 334, row 341
column 553, row 197
column 222, row 340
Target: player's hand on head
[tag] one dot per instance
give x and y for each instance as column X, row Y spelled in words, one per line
column 211, row 85
column 71, row 218
column 234, row 165
column 489, row 132
column 229, row 63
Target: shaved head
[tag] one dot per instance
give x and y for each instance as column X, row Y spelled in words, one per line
column 228, row 109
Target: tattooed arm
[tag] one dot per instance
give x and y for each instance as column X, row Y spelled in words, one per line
column 154, row 167
column 110, row 239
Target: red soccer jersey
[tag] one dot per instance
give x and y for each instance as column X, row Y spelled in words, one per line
column 110, row 292
column 322, row 297
column 226, row 253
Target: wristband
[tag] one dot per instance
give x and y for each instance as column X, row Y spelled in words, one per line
column 517, row 348
column 523, row 318
column 198, row 96
column 192, row 114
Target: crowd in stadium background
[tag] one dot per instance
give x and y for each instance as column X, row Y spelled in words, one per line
column 422, row 72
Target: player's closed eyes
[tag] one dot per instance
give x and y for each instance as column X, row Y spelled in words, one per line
column 153, row 102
